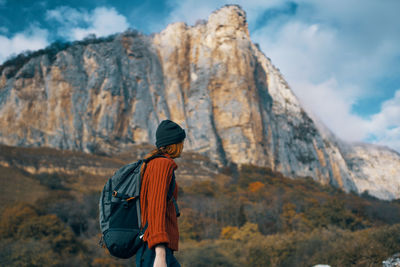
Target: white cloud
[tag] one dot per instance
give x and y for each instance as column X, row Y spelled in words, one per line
column 300, row 50
column 77, row 24
column 328, row 103
column 385, row 126
column 389, row 115
column 67, row 16
column 32, row 39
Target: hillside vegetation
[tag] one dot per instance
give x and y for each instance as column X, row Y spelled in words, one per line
column 239, row 217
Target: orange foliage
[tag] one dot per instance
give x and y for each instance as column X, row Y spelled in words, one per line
column 228, row 231
column 255, row 186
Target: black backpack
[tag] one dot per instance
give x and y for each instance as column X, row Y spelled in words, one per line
column 120, row 216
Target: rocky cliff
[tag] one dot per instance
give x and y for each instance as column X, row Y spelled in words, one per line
column 234, row 104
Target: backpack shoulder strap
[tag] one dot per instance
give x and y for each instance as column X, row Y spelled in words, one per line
column 153, row 157
column 170, row 195
column 171, row 187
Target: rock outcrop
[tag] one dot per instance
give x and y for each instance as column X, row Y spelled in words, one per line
column 374, row 169
column 393, row 261
column 210, row 78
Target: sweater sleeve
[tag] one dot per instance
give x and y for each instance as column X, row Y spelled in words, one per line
column 161, row 176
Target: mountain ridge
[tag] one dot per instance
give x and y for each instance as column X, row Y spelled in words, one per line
column 210, row 78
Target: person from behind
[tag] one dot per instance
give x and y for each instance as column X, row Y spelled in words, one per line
column 159, row 210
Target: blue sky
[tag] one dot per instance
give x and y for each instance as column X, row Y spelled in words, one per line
column 341, row 57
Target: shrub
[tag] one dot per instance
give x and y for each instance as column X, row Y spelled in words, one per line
column 228, row 232
column 28, row 253
column 13, row 217
column 208, row 255
column 255, row 187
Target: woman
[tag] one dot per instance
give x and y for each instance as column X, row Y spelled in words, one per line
column 161, row 235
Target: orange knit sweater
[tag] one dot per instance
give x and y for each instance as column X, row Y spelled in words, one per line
column 156, row 210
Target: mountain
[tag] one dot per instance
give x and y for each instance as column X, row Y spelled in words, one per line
column 107, row 95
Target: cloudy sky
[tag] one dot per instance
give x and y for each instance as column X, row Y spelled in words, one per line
column 341, row 57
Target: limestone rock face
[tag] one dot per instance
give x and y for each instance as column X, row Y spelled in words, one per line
column 374, row 170
column 210, row 78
